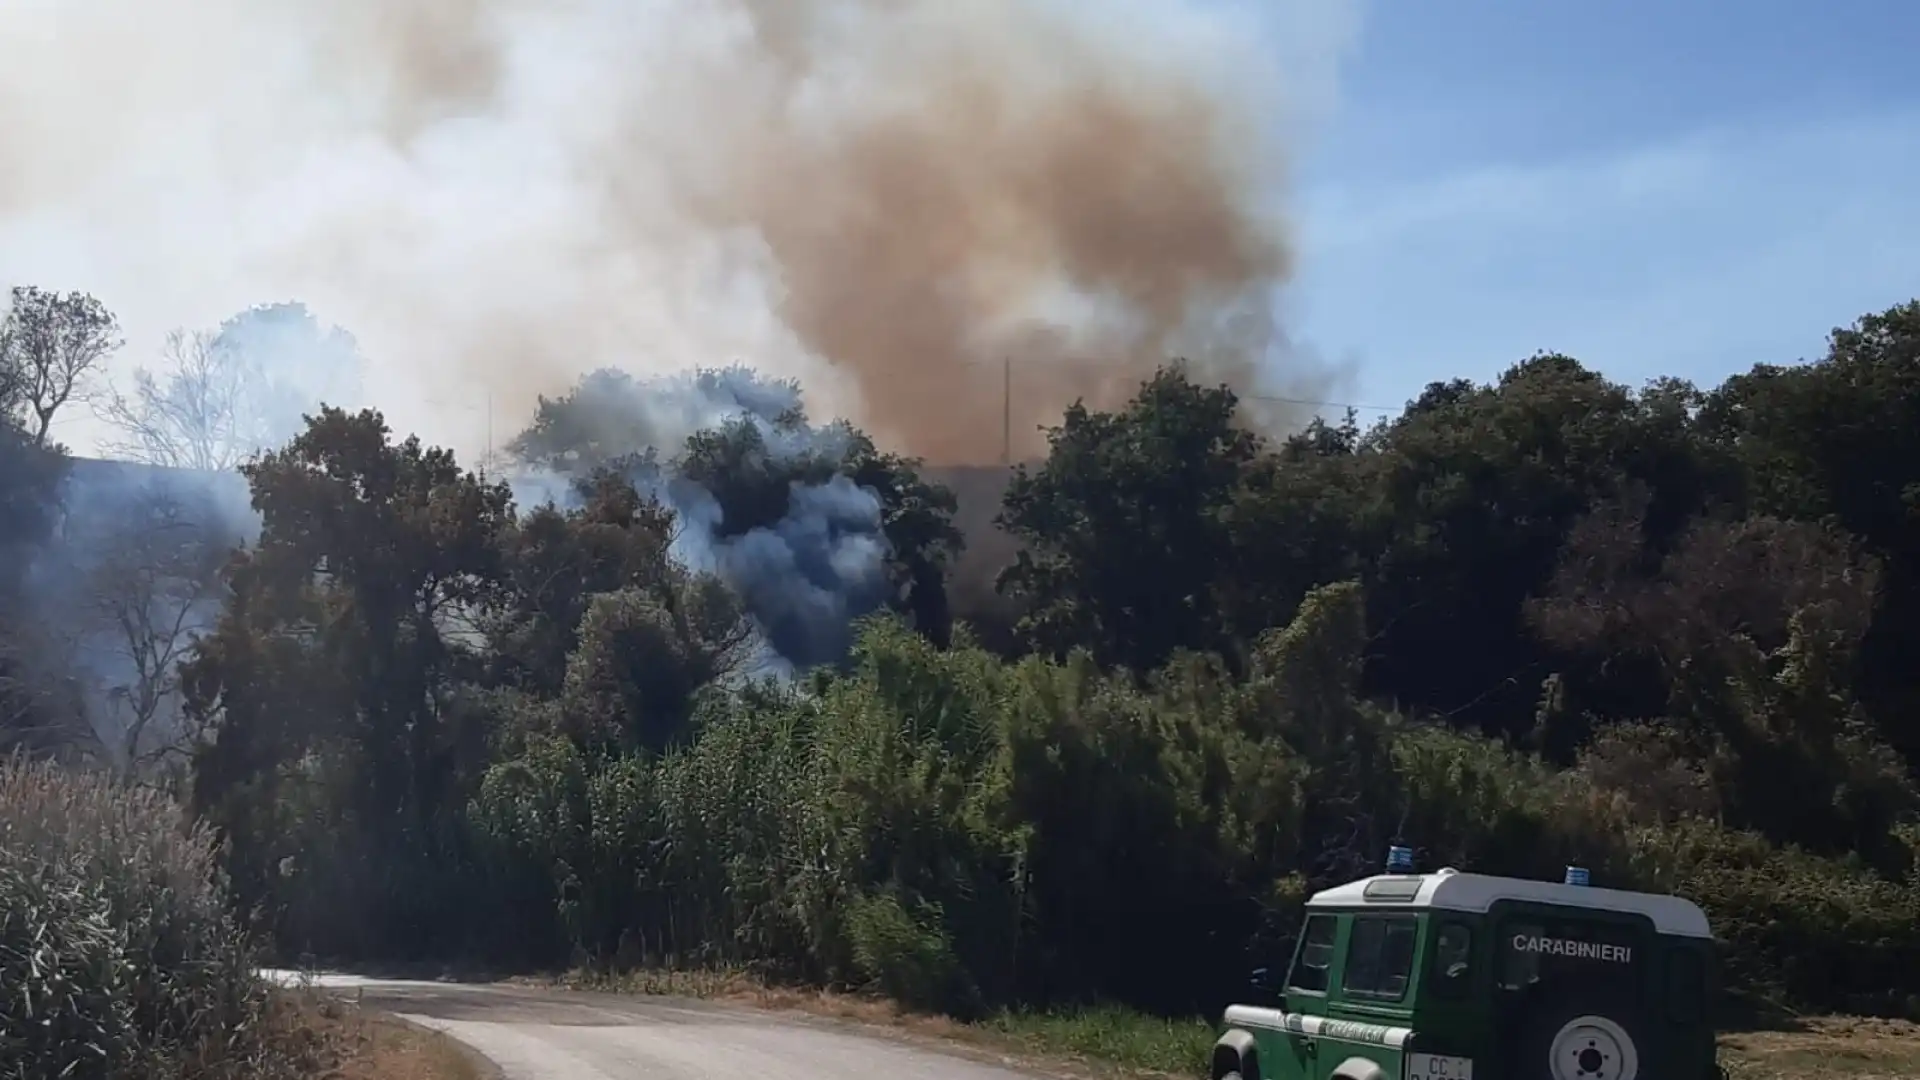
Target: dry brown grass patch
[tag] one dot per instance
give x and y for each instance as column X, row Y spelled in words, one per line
column 741, row 988
column 1826, row 1048
column 345, row 1042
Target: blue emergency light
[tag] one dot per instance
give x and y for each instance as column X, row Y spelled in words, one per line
column 1399, row 860
column 1577, row 875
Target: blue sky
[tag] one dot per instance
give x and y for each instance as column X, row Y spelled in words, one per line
column 1654, row 186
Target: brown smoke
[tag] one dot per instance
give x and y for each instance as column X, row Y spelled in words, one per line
column 916, row 277
column 920, row 196
column 440, row 58
column 914, row 240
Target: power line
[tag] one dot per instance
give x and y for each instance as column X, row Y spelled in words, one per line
column 1319, row 404
column 1094, row 363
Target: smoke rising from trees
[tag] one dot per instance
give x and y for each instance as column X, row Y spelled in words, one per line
column 883, row 199
column 810, row 524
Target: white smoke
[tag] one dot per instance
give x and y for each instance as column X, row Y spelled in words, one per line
column 496, row 196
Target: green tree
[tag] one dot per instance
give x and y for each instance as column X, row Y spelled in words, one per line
column 1753, row 626
column 1474, row 492
column 1124, row 528
column 556, row 561
column 337, row 659
column 1298, row 520
column 1839, row 439
column 1544, row 620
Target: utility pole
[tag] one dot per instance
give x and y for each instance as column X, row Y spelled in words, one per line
column 1006, row 410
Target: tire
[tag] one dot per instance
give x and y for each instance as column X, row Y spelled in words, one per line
column 1582, row 1040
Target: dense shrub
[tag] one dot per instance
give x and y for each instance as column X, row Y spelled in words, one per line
column 1799, row 928
column 1664, row 632
column 118, row 952
column 952, row 829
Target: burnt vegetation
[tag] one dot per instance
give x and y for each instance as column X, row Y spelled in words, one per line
column 703, row 686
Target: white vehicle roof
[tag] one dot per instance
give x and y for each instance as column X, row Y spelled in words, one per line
column 1450, row 890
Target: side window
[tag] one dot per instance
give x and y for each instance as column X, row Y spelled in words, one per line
column 1520, row 968
column 1380, row 956
column 1686, row 986
column 1315, row 955
column 1452, row 972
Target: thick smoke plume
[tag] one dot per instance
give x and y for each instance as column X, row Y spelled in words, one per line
column 926, row 210
column 803, row 578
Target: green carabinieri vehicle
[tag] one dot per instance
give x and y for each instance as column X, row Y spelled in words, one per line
column 1453, row 976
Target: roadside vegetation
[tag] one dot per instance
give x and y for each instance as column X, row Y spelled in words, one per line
column 1666, row 633
column 121, row 956
column 1100, row 1040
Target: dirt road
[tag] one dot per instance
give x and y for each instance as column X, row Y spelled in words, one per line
column 537, row 1034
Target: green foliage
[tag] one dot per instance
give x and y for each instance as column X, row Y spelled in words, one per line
column 1119, row 491
column 1108, row 1034
column 908, row 954
column 1839, row 440
column 1801, row 928
column 330, row 683
column 1547, row 620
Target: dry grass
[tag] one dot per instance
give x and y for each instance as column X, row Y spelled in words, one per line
column 343, row 1042
column 1828, row 1048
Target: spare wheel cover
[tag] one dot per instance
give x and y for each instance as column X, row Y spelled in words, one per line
column 1593, row 1048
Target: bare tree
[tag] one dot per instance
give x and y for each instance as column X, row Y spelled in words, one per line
column 150, row 581
column 221, row 396
column 195, row 414
column 50, row 346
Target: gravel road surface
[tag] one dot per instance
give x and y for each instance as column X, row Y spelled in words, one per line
column 537, row 1034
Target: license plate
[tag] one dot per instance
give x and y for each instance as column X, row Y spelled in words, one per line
column 1438, row 1067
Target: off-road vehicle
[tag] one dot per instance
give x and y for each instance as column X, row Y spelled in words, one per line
column 1454, row 976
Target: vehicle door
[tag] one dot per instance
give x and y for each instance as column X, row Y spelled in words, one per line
column 1308, row 983
column 1370, row 1012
